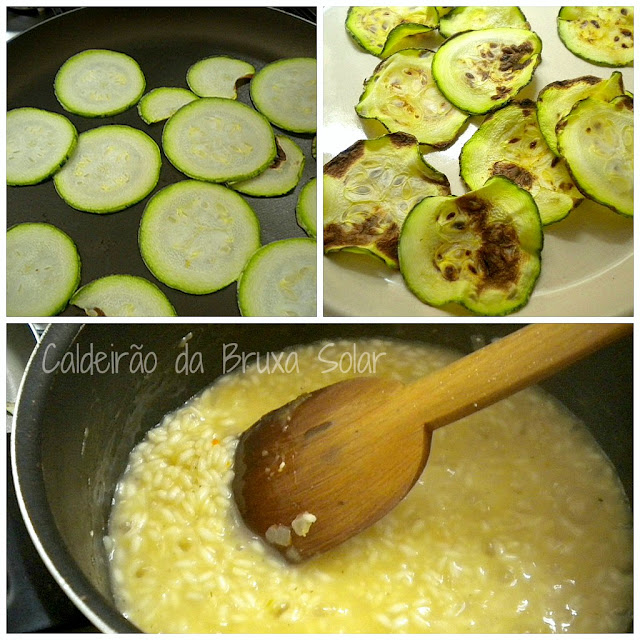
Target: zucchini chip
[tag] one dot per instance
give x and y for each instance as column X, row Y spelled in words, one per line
column 403, row 96
column 509, row 143
column 558, row 98
column 600, row 35
column 379, row 29
column 370, row 188
column 472, row 18
column 596, row 140
column 480, row 250
column 479, row 71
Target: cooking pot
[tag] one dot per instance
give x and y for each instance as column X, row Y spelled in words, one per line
column 92, row 391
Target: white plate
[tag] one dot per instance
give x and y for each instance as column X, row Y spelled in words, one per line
column 587, row 261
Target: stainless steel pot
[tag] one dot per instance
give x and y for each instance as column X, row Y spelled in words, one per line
column 73, row 431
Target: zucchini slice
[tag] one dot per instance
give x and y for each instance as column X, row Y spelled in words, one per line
column 596, row 140
column 112, row 168
column 218, row 76
column 480, row 250
column 43, row 269
column 370, row 188
column 307, row 208
column 99, row 82
column 281, row 177
column 197, row 237
column 557, row 99
column 285, row 91
column 479, row 71
column 38, row 143
column 280, row 280
column 219, row 140
column 379, row 30
column 509, row 143
column 473, row 18
column 161, row 103
column 402, row 95
column 600, row 35
column 122, row 296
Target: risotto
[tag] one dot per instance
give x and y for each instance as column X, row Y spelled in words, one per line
column 518, row 524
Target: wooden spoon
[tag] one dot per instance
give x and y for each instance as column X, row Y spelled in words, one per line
column 348, row 453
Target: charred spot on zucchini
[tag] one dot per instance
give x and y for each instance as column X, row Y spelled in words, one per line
column 379, row 29
column 480, row 250
column 557, row 99
column 479, row 71
column 402, row 95
column 461, row 19
column 596, row 140
column 600, row 35
column 370, row 188
column 509, row 143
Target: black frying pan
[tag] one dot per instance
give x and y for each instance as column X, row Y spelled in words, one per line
column 165, row 42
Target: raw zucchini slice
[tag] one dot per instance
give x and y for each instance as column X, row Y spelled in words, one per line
column 112, row 168
column 479, row 71
column 473, row 18
column 509, row 143
column 557, row 99
column 600, row 35
column 285, row 92
column 403, row 96
column 219, row 140
column 38, row 143
column 480, row 250
column 596, row 140
column 99, row 82
column 197, row 237
column 161, row 103
column 281, row 177
column 43, row 269
column 280, row 280
column 370, row 188
column 218, row 76
column 379, row 29
column 122, row 296
column 306, row 208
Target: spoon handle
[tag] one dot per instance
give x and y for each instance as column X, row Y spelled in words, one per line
column 500, row 369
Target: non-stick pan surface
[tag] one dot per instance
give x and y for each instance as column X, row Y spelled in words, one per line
column 165, row 42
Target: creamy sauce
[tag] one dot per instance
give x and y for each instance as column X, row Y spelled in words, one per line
column 518, row 524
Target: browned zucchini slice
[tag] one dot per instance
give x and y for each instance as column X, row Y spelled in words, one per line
column 370, row 188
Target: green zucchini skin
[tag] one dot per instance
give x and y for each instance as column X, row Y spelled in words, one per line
column 600, row 158
column 509, row 143
column 600, row 35
column 481, row 250
column 480, row 71
column 364, row 210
